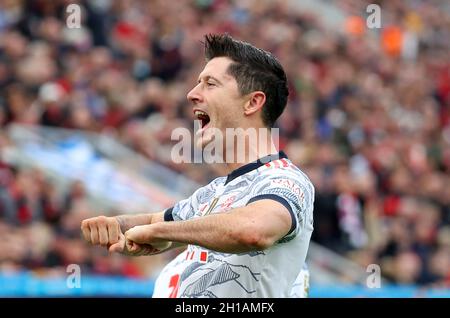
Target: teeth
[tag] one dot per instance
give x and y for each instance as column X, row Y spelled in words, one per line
column 200, row 113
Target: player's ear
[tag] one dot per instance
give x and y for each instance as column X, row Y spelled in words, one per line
column 255, row 102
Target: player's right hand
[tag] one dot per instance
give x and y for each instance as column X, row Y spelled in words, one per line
column 105, row 231
column 101, row 230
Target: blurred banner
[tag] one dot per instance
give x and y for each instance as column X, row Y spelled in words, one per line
column 26, row 284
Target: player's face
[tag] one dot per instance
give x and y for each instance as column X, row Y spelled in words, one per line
column 216, row 100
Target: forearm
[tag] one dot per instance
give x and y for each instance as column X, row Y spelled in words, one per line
column 222, row 232
column 254, row 227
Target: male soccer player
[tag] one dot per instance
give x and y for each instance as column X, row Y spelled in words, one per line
column 247, row 232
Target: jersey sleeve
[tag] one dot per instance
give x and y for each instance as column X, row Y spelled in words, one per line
column 292, row 192
column 182, row 210
column 186, row 209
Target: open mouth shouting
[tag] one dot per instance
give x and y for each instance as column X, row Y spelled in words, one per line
column 203, row 117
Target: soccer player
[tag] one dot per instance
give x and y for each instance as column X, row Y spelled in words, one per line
column 247, row 231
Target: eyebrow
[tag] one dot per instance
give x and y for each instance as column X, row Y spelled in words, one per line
column 208, row 77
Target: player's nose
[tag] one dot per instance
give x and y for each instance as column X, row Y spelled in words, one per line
column 194, row 96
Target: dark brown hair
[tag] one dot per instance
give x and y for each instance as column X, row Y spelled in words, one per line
column 254, row 70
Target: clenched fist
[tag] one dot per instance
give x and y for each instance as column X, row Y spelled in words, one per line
column 142, row 235
column 101, row 230
column 106, row 231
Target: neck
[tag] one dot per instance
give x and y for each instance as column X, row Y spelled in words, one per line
column 252, row 152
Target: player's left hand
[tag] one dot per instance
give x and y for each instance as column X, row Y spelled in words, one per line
column 130, row 248
column 142, row 235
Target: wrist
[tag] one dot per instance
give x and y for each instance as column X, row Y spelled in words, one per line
column 127, row 222
column 121, row 220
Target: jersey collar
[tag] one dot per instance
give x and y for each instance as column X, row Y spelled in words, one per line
column 254, row 165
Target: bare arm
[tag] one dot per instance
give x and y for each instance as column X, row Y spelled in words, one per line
column 254, row 227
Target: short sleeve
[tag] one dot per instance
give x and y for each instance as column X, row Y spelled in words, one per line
column 189, row 208
column 182, row 210
column 290, row 192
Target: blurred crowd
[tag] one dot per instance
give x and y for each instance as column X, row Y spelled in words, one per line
column 368, row 118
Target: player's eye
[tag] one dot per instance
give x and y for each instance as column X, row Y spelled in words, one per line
column 210, row 84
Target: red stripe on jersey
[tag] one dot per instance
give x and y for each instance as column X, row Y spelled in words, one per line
column 276, row 163
column 203, row 256
column 267, row 165
column 285, row 163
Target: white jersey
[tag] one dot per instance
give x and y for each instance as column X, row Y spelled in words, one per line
column 167, row 283
column 201, row 272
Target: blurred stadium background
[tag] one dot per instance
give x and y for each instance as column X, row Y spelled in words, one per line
column 86, row 116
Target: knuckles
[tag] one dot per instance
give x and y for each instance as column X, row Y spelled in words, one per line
column 85, row 224
column 99, row 221
column 102, row 220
